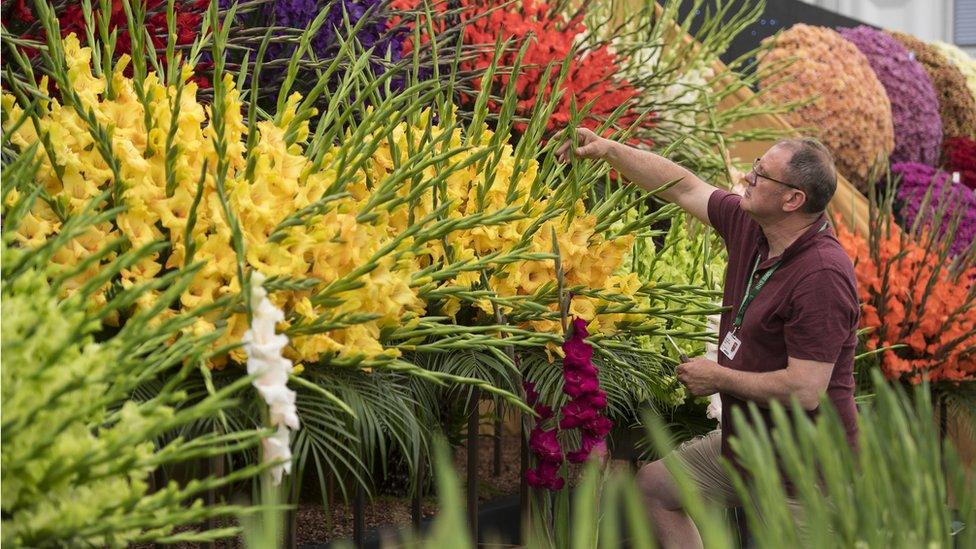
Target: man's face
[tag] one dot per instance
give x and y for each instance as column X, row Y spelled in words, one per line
column 767, row 191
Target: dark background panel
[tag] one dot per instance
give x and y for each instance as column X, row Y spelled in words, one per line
column 778, row 15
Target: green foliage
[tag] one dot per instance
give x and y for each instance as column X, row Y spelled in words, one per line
column 894, row 493
column 77, row 452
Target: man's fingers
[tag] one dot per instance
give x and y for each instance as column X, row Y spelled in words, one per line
column 587, row 151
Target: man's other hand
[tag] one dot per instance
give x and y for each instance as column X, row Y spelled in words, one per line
column 589, row 145
column 700, row 375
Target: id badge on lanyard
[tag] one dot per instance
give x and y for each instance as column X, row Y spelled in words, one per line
column 731, row 344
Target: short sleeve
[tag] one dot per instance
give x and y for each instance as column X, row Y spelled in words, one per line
column 725, row 215
column 824, row 316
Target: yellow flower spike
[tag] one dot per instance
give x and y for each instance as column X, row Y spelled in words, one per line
column 34, row 229
column 144, row 270
column 450, row 307
column 583, row 307
column 328, row 246
column 78, row 61
column 202, row 291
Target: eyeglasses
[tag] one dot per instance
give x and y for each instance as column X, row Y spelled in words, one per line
column 756, row 174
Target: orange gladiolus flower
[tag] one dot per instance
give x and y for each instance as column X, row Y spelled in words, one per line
column 910, row 298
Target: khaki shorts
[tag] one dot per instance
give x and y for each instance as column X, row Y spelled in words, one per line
column 702, row 457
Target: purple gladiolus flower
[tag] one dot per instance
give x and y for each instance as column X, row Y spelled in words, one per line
column 298, row 14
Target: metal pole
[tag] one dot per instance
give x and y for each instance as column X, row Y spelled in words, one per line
column 213, row 466
column 416, row 511
column 524, row 507
column 358, row 520
column 291, row 524
column 496, row 467
column 473, row 463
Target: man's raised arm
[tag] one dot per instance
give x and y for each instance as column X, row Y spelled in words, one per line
column 646, row 169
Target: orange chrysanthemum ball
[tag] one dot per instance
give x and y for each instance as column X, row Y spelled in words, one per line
column 956, row 104
column 850, row 111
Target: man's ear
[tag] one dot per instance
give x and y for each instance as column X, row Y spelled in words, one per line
column 796, row 201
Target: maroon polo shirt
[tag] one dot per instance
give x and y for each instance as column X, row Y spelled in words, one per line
column 808, row 308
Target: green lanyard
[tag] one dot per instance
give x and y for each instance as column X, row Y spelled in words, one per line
column 753, row 291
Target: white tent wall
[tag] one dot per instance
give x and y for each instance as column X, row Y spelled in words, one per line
column 952, row 21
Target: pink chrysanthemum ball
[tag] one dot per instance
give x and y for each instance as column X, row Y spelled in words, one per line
column 850, row 111
column 914, row 104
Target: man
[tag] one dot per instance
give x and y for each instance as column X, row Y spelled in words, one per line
column 790, row 331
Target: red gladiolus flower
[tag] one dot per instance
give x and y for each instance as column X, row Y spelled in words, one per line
column 550, row 37
column 188, row 13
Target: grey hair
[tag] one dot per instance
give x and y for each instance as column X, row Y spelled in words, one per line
column 811, row 168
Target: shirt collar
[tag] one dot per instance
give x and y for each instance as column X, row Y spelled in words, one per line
column 798, row 245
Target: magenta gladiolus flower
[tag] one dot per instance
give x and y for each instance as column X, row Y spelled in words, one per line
column 599, row 427
column 545, row 412
column 578, row 353
column 581, row 382
column 597, row 399
column 588, row 444
column 545, row 476
column 545, row 444
column 577, row 413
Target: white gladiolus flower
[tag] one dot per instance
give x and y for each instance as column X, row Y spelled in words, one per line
column 265, row 361
column 714, row 410
column 278, row 447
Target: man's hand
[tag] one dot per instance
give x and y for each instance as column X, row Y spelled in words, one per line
column 701, row 376
column 590, row 145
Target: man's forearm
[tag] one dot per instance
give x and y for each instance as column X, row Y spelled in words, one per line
column 765, row 387
column 644, row 168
